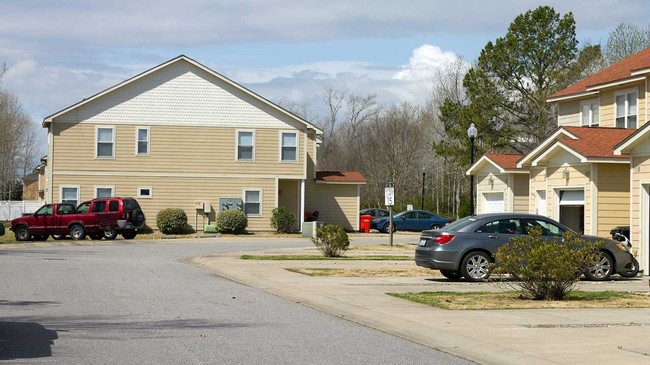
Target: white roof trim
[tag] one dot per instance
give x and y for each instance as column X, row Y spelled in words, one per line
column 50, row 118
column 641, row 71
column 485, row 159
column 548, row 142
column 555, row 147
column 641, row 133
column 572, row 96
column 615, row 83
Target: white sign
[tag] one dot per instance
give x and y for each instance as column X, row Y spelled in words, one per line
column 389, row 196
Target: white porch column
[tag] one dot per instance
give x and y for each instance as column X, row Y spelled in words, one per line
column 302, row 203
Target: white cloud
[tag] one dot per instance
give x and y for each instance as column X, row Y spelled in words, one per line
column 424, row 63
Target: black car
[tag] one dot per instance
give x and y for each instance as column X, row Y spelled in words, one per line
column 466, row 247
column 2, row 229
column 375, row 212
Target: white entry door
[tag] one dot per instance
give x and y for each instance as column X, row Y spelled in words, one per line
column 493, row 202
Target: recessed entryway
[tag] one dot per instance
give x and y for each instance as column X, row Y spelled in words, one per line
column 572, row 209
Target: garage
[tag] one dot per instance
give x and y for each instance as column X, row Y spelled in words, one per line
column 493, row 202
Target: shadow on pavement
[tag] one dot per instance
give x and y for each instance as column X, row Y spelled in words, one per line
column 25, row 340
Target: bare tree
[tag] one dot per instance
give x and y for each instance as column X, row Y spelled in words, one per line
column 17, row 150
column 625, row 40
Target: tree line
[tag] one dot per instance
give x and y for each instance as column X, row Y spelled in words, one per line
column 503, row 93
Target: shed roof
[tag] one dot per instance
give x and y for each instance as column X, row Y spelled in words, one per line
column 340, row 177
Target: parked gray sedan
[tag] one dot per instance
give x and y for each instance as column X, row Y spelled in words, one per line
column 466, row 247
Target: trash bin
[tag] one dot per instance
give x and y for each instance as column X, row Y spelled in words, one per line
column 364, row 225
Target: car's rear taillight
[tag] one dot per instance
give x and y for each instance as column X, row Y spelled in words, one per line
column 443, row 239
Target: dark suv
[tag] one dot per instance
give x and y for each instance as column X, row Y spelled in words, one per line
column 116, row 215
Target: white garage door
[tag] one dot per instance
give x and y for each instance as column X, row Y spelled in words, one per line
column 493, row 202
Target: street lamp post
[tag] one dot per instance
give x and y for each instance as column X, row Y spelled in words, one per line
column 472, row 133
column 422, row 200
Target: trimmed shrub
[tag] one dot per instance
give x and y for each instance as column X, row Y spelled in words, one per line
column 283, row 220
column 542, row 268
column 331, row 240
column 172, row 221
column 231, row 221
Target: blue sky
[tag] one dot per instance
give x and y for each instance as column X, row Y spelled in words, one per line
column 61, row 51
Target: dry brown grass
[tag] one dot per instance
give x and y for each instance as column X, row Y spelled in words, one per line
column 406, row 272
column 512, row 300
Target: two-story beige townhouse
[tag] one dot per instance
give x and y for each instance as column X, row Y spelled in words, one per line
column 593, row 172
column 181, row 135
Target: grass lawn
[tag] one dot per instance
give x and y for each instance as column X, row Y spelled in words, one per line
column 383, row 247
column 321, row 257
column 513, row 300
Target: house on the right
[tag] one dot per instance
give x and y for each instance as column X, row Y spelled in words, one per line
column 596, row 167
column 593, row 172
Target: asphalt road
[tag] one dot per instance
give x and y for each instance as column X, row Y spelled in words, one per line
column 137, row 303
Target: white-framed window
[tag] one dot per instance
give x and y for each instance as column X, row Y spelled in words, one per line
column 104, row 191
column 253, row 202
column 590, row 113
column 70, row 194
column 289, row 146
column 142, row 141
column 245, row 146
column 145, row 192
column 626, row 108
column 105, row 142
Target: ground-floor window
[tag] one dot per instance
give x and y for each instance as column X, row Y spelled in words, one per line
column 145, row 192
column 104, row 191
column 70, row 195
column 253, row 203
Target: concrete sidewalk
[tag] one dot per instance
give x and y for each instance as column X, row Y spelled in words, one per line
column 549, row 336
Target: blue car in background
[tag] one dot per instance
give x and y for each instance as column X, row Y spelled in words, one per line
column 411, row 220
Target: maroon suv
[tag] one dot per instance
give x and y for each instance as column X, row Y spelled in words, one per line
column 116, row 215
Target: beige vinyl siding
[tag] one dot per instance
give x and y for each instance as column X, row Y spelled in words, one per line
column 175, row 149
column 569, row 113
column 175, row 192
column 537, row 182
column 520, row 193
column 613, row 197
column 336, row 203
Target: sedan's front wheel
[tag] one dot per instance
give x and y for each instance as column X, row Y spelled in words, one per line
column 475, row 266
column 386, row 228
column 602, row 269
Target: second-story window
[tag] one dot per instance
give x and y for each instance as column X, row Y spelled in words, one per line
column 105, row 142
column 245, row 146
column 626, row 109
column 589, row 113
column 142, row 141
column 289, row 148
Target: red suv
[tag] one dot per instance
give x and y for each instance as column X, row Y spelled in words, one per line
column 116, row 215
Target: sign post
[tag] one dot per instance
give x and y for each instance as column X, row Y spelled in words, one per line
column 389, row 201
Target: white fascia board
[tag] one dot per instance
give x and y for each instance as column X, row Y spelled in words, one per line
column 641, row 71
column 478, row 163
column 558, row 146
column 572, row 96
column 640, row 134
column 544, row 145
column 615, row 83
